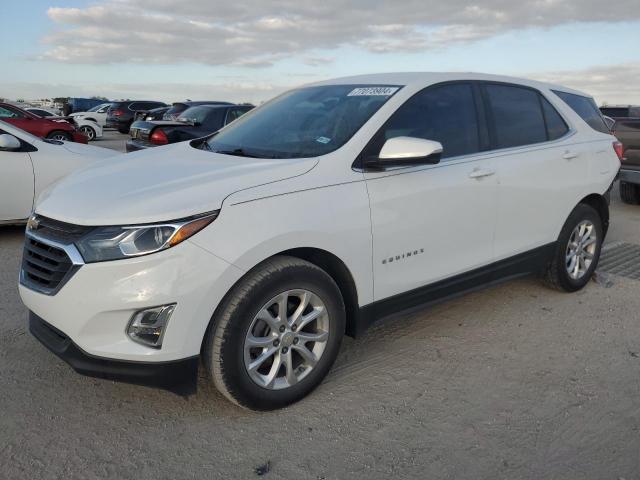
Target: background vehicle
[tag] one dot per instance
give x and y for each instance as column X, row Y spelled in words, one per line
column 193, row 123
column 627, row 129
column 57, row 129
column 78, row 104
column 120, row 114
column 320, row 212
column 178, row 107
column 29, row 164
column 96, row 114
column 153, row 114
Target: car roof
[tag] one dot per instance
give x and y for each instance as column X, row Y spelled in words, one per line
column 418, row 79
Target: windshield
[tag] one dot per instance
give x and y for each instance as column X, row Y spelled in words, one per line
column 308, row 122
column 195, row 115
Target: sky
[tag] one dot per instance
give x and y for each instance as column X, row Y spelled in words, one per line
column 252, row 50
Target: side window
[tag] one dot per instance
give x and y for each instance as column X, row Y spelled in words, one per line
column 517, row 115
column 586, row 108
column 445, row 113
column 556, row 126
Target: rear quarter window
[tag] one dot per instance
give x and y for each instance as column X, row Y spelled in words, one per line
column 586, row 108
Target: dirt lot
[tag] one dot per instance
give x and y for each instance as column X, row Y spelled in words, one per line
column 512, row 382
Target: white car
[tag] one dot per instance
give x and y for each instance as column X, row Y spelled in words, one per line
column 89, row 128
column 29, row 164
column 96, row 114
column 332, row 206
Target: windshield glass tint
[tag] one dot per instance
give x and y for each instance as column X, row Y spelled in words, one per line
column 308, row 122
column 196, row 115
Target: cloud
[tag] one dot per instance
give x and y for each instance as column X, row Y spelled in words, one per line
column 256, row 33
column 608, row 84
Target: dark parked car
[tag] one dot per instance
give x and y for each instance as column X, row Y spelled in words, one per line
column 627, row 129
column 120, row 114
column 195, row 122
column 153, row 114
column 178, row 107
column 54, row 129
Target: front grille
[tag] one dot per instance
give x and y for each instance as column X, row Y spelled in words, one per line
column 46, row 261
column 44, row 266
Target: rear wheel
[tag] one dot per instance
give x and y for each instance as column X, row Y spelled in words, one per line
column 89, row 132
column 59, row 135
column 276, row 335
column 630, row 193
column 577, row 250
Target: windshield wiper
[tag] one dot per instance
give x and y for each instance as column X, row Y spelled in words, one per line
column 238, row 152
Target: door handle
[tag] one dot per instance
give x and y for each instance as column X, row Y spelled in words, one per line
column 481, row 172
column 569, row 155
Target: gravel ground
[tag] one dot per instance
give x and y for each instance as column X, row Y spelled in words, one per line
column 516, row 381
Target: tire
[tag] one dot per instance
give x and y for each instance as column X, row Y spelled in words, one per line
column 225, row 352
column 89, row 132
column 630, row 193
column 561, row 272
column 59, row 135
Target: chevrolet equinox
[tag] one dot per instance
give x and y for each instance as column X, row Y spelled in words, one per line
column 255, row 249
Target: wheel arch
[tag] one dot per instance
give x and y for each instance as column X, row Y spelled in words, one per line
column 340, row 274
column 601, row 205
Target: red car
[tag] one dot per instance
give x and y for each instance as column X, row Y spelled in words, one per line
column 58, row 129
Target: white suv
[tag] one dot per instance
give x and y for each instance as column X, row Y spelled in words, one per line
column 331, row 206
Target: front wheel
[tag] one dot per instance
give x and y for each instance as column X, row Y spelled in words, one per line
column 275, row 336
column 577, row 250
column 88, row 132
column 59, row 135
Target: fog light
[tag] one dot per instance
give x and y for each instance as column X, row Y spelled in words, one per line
column 147, row 326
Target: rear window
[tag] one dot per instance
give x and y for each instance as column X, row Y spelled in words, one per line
column 176, row 108
column 586, row 108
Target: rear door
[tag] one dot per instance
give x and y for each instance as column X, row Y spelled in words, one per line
column 16, row 184
column 541, row 170
column 432, row 222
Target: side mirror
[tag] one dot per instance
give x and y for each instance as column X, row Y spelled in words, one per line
column 9, row 143
column 404, row 151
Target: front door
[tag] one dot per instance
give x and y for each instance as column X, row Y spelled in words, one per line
column 434, row 221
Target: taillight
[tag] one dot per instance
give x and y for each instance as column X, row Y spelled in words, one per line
column 158, row 137
column 117, row 113
column 619, row 149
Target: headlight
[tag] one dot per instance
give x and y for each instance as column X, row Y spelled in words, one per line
column 112, row 243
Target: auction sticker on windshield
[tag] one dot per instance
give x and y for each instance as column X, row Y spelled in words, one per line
column 373, row 91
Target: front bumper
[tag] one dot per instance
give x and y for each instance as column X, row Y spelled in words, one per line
column 95, row 305
column 79, row 137
column 180, row 376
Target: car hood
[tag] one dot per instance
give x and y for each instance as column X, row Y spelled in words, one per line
column 159, row 184
column 89, row 150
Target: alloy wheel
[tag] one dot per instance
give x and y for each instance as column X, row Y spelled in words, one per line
column 89, row 133
column 286, row 339
column 581, row 249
